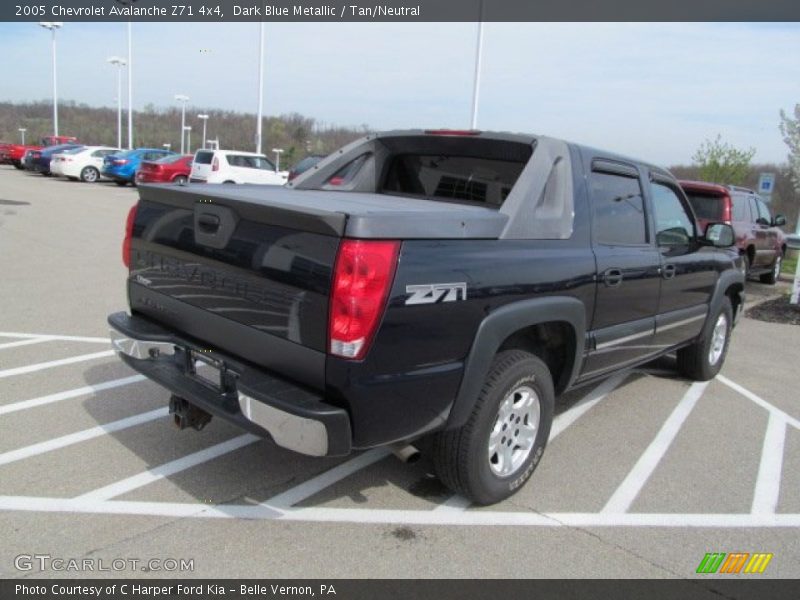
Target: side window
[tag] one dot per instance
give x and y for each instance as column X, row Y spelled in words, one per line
column 619, row 218
column 763, row 211
column 674, row 225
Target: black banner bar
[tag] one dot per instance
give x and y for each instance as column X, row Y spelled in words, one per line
column 400, row 10
column 709, row 588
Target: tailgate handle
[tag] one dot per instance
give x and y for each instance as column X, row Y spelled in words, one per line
column 208, row 223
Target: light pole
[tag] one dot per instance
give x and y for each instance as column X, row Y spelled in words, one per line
column 203, row 118
column 188, row 130
column 22, row 131
column 278, row 152
column 130, row 89
column 52, row 26
column 183, row 100
column 477, row 81
column 260, row 85
column 119, row 63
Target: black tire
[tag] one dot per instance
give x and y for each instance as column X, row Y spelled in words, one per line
column 463, row 458
column 180, row 180
column 120, row 183
column 774, row 275
column 89, row 174
column 696, row 361
column 18, row 165
column 229, row 181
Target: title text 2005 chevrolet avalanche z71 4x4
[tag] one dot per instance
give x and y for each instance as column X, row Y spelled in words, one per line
column 449, row 286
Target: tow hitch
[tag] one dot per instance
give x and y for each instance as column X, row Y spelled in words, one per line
column 186, row 414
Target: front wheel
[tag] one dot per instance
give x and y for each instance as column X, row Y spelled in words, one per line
column 496, row 451
column 704, row 358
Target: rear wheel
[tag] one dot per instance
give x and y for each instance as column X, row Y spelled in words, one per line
column 90, row 174
column 773, row 276
column 704, row 358
column 120, row 183
column 180, row 180
column 228, row 181
column 496, row 451
column 18, row 165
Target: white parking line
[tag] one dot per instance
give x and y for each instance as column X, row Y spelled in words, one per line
column 170, row 468
column 26, row 342
column 760, row 401
column 81, row 391
column 81, row 436
column 633, row 483
column 55, row 363
column 290, row 497
column 768, row 483
column 408, row 517
column 65, row 338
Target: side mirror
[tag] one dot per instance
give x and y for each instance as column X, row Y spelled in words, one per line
column 779, row 221
column 720, row 235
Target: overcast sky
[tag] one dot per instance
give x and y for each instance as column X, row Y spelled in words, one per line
column 654, row 91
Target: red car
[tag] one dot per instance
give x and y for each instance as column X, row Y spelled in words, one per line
column 761, row 244
column 12, row 154
column 174, row 168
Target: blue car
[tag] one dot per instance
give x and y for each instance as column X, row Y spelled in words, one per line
column 122, row 167
column 41, row 163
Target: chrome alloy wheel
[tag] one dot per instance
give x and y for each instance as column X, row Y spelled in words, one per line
column 718, row 337
column 514, row 433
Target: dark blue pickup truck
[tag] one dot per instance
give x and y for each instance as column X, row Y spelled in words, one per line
column 438, row 288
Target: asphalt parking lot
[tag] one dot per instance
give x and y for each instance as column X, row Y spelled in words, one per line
column 644, row 473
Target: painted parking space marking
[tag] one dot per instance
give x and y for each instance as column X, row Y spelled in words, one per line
column 81, row 436
column 48, row 337
column 55, row 363
column 171, row 468
column 768, row 483
column 75, row 393
column 454, row 510
column 636, row 479
column 26, row 342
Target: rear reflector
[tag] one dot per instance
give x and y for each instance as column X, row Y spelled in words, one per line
column 126, row 243
column 362, row 278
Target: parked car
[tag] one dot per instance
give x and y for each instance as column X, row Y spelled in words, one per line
column 14, row 154
column 234, row 166
column 169, row 169
column 304, row 165
column 447, row 292
column 41, row 163
column 29, row 158
column 761, row 243
column 82, row 163
column 122, row 167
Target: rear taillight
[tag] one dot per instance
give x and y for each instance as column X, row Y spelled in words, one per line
column 727, row 212
column 215, row 164
column 361, row 281
column 120, row 161
column 126, row 243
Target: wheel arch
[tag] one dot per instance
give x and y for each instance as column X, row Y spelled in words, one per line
column 524, row 325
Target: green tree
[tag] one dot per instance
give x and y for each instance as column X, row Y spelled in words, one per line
column 790, row 129
column 720, row 162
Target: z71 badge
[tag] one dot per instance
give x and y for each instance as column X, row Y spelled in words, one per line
column 432, row 293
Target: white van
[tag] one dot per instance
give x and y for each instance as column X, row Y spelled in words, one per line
column 234, row 166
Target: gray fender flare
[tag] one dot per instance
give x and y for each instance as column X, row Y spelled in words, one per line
column 725, row 281
column 497, row 327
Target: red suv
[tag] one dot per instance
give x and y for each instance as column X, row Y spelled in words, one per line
column 760, row 242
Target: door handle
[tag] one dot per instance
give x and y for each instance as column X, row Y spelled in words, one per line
column 668, row 272
column 612, row 277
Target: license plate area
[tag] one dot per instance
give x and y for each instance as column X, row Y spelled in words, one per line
column 207, row 370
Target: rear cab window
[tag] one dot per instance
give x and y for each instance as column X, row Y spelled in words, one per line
column 707, row 206
column 203, row 157
column 619, row 217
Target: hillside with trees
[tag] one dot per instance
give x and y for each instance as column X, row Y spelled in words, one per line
column 296, row 134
